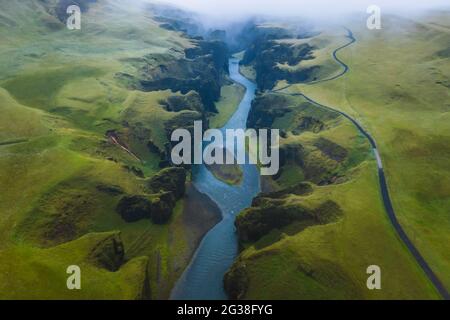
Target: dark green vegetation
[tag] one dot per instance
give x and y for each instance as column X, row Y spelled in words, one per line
column 277, row 51
column 321, row 222
column 85, row 176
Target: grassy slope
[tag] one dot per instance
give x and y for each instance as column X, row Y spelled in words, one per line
column 231, row 97
column 329, row 262
column 398, row 89
column 35, row 269
column 324, row 44
column 58, row 97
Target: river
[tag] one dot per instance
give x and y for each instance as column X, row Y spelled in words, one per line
column 203, row 278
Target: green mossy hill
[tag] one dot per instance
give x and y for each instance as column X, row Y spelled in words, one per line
column 264, row 224
column 165, row 188
column 185, row 75
column 265, row 110
column 270, row 214
column 183, row 120
column 312, row 155
column 202, row 69
column 157, row 207
column 306, row 151
column 41, row 273
column 207, row 42
column 408, row 116
column 67, row 211
column 293, row 114
column 270, row 30
column 288, row 52
column 315, row 259
column 134, row 208
column 215, row 48
column 169, row 180
column 109, row 253
column 172, row 18
column 191, row 102
column 78, row 133
column 265, row 54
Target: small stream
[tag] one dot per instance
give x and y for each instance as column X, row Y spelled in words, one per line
column 203, row 278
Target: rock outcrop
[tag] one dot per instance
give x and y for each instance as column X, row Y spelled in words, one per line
column 236, row 281
column 202, row 70
column 191, row 102
column 266, row 53
column 134, row 208
column 164, row 190
column 267, row 214
column 172, row 180
column 266, row 109
column 109, row 253
column 157, row 207
column 256, row 222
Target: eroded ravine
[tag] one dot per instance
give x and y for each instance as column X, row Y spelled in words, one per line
column 203, row 278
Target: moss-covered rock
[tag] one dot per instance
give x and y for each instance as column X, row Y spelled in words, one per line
column 199, row 74
column 109, row 253
column 256, row 222
column 157, row 207
column 236, row 281
column 217, row 49
column 191, row 101
column 267, row 214
column 266, row 54
column 266, row 109
column 162, row 206
column 169, row 180
column 165, row 189
column 134, row 208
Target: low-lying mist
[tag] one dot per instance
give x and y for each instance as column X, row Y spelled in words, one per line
column 226, row 11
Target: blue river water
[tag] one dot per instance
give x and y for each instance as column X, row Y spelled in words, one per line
column 203, row 278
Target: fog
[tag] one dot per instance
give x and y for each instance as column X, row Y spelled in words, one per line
column 315, row 9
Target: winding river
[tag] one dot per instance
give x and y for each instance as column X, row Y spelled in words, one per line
column 203, row 278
